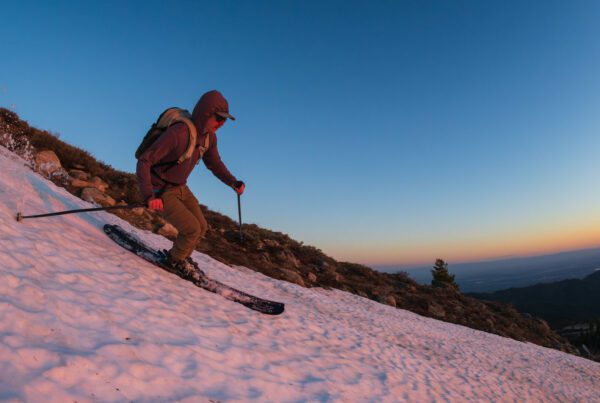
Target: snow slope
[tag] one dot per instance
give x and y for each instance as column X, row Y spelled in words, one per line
column 82, row 319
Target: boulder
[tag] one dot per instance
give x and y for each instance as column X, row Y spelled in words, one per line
column 543, row 324
column 293, row 277
column 390, row 300
column 411, row 288
column 436, row 310
column 271, row 243
column 329, row 268
column 80, row 183
column 322, row 265
column 93, row 195
column 138, row 211
column 384, row 298
column 362, row 294
column 79, row 174
column 95, row 182
column 99, row 184
column 47, row 162
column 288, row 258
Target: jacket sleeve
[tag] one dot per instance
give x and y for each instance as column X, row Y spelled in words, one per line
column 213, row 161
column 162, row 147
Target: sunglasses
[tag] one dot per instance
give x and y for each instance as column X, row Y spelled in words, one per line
column 220, row 118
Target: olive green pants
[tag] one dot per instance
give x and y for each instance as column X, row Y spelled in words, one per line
column 182, row 210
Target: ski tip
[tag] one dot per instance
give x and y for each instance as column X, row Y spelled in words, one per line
column 108, row 228
column 276, row 310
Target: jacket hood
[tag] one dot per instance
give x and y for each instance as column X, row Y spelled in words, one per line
column 209, row 103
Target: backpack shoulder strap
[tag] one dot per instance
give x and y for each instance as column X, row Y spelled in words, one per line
column 204, row 147
column 175, row 115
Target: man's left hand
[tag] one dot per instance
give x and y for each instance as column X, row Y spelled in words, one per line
column 239, row 187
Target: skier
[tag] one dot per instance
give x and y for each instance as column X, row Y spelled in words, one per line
column 163, row 184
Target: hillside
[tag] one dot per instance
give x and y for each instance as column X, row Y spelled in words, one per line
column 271, row 253
column 571, row 307
column 560, row 303
column 84, row 320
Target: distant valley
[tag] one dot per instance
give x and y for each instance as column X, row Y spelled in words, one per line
column 489, row 276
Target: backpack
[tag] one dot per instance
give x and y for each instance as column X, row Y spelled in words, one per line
column 169, row 117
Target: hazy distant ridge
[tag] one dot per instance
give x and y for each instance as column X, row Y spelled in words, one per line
column 488, row 276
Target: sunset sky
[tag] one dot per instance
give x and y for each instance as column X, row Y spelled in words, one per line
column 384, row 132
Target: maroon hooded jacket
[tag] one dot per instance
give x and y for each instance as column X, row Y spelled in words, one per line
column 173, row 143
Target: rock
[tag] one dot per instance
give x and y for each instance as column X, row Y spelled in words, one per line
column 436, row 310
column 271, row 243
column 93, row 195
column 80, row 183
column 312, row 277
column 99, row 184
column 293, row 277
column 387, row 299
column 289, row 258
column 60, row 175
column 409, row 288
column 168, row 230
column 79, row 174
column 78, row 166
column 47, row 162
column 138, row 211
column 328, row 268
column 322, row 265
column 543, row 324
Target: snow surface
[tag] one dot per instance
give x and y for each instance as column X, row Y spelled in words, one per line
column 83, row 319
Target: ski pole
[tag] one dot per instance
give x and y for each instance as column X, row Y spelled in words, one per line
column 83, row 210
column 240, row 217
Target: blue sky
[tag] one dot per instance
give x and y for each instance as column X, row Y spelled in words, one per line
column 388, row 132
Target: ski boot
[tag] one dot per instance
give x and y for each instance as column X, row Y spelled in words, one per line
column 183, row 268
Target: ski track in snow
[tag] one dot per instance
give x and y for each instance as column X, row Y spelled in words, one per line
column 83, row 319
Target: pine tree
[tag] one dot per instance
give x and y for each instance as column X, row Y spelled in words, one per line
column 441, row 276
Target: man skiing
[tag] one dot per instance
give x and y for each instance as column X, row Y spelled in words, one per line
column 163, row 181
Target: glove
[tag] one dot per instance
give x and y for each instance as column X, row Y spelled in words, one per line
column 239, row 187
column 155, row 204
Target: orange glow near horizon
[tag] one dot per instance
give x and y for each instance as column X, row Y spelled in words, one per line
column 539, row 241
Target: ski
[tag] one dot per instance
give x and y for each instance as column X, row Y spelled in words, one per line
column 135, row 245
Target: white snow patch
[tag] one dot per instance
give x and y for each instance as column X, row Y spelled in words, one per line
column 82, row 319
